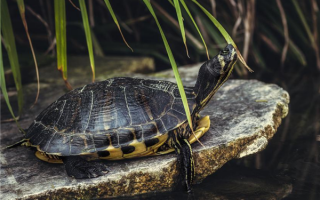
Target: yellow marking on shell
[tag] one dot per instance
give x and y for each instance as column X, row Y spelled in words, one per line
column 153, row 149
column 148, row 110
column 146, row 106
column 85, row 153
column 203, row 126
column 84, row 141
column 139, row 147
column 115, row 153
column 106, row 127
column 28, row 144
column 48, row 158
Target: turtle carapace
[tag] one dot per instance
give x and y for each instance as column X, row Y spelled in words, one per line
column 126, row 117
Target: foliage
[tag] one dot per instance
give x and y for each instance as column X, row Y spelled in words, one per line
column 268, row 32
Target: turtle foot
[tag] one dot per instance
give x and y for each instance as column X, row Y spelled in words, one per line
column 80, row 168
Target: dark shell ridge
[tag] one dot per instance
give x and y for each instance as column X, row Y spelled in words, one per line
column 112, row 112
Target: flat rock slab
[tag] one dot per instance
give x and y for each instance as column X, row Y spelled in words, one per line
column 244, row 116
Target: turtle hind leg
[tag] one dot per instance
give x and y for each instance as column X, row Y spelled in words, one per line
column 79, row 168
column 186, row 162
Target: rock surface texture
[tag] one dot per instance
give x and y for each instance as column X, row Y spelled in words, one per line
column 244, row 116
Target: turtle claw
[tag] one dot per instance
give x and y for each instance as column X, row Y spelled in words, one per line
column 80, row 168
column 98, row 169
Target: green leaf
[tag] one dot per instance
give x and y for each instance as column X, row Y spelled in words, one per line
column 87, row 30
column 224, row 33
column 171, row 2
column 23, row 17
column 292, row 47
column 298, row 53
column 116, row 21
column 61, row 38
column 96, row 45
column 303, row 20
column 2, row 78
column 195, row 25
column 173, row 64
column 10, row 45
column 308, row 30
column 180, row 20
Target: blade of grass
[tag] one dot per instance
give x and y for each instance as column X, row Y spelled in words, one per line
column 116, row 21
column 166, row 15
column 87, row 30
column 292, row 46
column 308, row 30
column 171, row 2
column 12, row 51
column 173, row 64
column 74, row 5
column 212, row 32
column 60, row 21
column 180, row 20
column 298, row 53
column 224, row 33
column 303, row 20
column 2, row 78
column 96, row 45
column 259, row 58
column 24, row 21
column 286, row 32
column 195, row 25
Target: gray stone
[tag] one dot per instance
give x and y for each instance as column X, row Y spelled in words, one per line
column 244, row 116
column 79, row 70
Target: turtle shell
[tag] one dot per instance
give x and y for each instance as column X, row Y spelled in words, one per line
column 111, row 118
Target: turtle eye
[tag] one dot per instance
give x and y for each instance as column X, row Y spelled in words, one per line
column 225, row 52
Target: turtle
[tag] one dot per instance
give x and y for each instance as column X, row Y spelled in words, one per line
column 126, row 117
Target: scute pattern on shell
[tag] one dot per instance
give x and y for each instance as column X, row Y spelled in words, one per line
column 112, row 112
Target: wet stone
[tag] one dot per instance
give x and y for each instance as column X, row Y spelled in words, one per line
column 244, row 117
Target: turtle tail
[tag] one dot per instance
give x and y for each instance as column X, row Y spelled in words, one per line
column 15, row 144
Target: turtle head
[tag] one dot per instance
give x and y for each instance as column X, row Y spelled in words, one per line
column 214, row 73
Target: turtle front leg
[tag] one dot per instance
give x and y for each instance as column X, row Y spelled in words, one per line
column 79, row 168
column 184, row 151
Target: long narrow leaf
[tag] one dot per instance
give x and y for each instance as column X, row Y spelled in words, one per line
column 2, row 78
column 308, row 30
column 195, row 25
column 23, row 17
column 180, row 20
column 224, row 33
column 87, row 30
column 61, row 38
column 12, row 52
column 96, row 45
column 173, row 64
column 303, row 20
column 211, row 30
column 116, row 21
column 292, row 46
